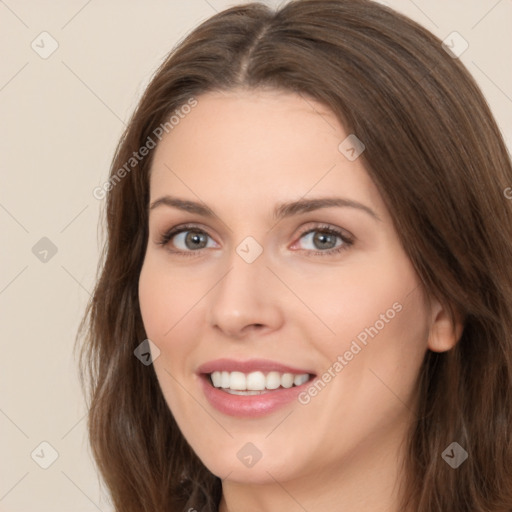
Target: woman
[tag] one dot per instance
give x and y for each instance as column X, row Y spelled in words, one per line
column 305, row 300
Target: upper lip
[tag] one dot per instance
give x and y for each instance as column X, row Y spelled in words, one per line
column 249, row 365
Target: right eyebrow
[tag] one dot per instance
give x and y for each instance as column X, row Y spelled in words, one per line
column 183, row 204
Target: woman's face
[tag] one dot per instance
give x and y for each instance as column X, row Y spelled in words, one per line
column 263, row 280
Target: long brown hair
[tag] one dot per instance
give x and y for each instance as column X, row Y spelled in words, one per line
column 440, row 163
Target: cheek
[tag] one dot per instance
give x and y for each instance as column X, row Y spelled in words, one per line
column 378, row 321
column 166, row 297
column 153, row 301
column 166, row 304
column 171, row 307
column 361, row 299
column 379, row 316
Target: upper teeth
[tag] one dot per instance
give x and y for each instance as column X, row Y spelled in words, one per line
column 256, row 381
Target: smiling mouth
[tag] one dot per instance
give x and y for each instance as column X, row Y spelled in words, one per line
column 255, row 383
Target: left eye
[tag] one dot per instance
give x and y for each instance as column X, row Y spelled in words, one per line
column 325, row 239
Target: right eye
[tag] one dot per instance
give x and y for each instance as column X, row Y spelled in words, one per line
column 186, row 239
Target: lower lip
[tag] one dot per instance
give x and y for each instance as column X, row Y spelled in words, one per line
column 249, row 406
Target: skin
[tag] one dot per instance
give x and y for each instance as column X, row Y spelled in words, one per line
column 241, row 153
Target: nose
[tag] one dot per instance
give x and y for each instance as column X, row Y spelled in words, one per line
column 246, row 299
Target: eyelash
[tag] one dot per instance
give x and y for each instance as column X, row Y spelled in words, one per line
column 167, row 236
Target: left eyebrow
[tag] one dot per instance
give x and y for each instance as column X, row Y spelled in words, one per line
column 307, row 205
column 281, row 211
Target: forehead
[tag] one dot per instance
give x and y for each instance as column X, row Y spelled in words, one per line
column 256, row 143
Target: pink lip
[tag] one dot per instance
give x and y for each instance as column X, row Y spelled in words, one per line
column 250, row 406
column 252, row 365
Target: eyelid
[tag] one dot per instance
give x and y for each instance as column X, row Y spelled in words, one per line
column 322, row 226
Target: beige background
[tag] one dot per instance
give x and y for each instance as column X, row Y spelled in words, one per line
column 61, row 118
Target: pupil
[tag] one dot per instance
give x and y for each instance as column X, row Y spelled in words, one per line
column 195, row 239
column 321, row 239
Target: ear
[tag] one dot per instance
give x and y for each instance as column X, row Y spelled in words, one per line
column 444, row 332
